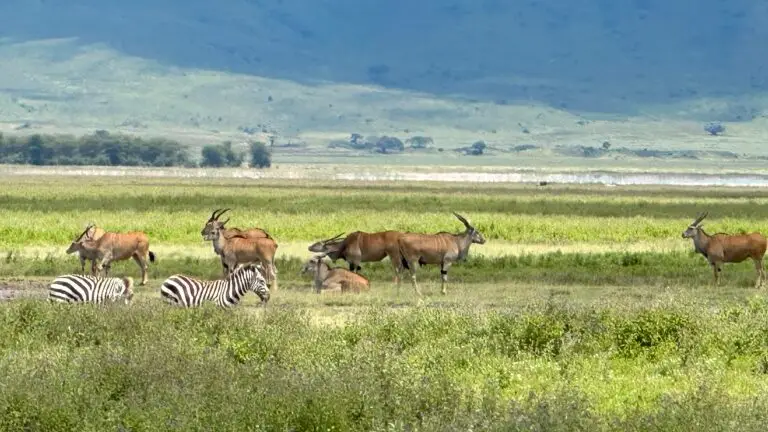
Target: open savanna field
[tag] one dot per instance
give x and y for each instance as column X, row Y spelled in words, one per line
column 584, row 310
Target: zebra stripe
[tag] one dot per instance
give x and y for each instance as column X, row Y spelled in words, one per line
column 73, row 288
column 188, row 292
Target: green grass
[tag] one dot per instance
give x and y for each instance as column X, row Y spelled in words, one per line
column 585, row 310
column 172, row 212
column 551, row 366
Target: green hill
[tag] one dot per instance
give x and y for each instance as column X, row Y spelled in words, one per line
column 639, row 74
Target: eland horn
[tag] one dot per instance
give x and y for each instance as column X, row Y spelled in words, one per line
column 463, row 220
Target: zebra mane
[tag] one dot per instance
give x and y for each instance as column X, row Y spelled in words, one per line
column 241, row 270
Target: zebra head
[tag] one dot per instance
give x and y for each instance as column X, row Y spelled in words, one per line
column 128, row 292
column 255, row 281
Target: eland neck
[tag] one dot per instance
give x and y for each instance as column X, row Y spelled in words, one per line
column 701, row 241
column 321, row 272
column 463, row 242
column 218, row 242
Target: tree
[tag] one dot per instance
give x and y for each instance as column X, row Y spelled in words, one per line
column 420, row 142
column 478, row 148
column 233, row 159
column 35, row 150
column 213, row 156
column 221, row 155
column 260, row 155
column 387, row 144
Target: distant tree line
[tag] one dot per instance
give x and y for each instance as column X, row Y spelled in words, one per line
column 105, row 149
column 98, row 148
column 381, row 144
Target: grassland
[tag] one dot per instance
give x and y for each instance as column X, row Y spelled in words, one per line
column 585, row 310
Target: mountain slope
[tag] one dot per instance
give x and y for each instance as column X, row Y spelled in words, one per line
column 460, row 69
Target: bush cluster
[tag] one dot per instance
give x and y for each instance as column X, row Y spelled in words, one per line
column 98, row 148
column 149, row 367
column 104, row 149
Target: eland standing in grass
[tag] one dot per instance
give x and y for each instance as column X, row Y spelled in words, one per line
column 92, row 232
column 240, row 249
column 728, row 248
column 330, row 279
column 214, row 221
column 112, row 246
column 442, row 248
column 359, row 247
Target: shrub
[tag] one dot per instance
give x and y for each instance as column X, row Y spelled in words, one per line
column 478, row 148
column 714, row 128
column 387, row 144
column 420, row 142
column 260, row 155
column 221, row 155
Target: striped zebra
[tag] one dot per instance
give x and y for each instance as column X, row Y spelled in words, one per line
column 188, row 292
column 74, row 288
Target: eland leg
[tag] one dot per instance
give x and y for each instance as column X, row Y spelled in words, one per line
column 715, row 274
column 143, row 267
column 103, row 265
column 444, row 276
column 272, row 271
column 760, row 272
column 413, row 279
column 396, row 266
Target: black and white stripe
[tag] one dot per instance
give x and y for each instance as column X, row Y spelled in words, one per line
column 74, row 288
column 188, row 292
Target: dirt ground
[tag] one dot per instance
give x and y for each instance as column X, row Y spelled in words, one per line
column 17, row 288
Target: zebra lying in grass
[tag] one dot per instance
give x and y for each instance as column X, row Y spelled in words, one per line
column 74, row 288
column 188, row 292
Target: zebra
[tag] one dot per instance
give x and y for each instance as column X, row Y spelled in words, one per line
column 185, row 291
column 74, row 288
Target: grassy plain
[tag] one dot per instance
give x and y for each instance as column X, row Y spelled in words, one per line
column 584, row 311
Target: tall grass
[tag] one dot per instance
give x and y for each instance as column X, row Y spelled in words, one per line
column 684, row 269
column 173, row 212
column 152, row 367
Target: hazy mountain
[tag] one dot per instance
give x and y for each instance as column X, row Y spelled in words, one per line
column 483, row 47
column 616, row 56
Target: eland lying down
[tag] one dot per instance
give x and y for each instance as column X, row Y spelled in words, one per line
column 329, row 279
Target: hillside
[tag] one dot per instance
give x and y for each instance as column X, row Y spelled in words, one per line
column 639, row 73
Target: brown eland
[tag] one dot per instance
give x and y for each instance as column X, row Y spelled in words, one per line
column 359, row 247
column 240, row 249
column 442, row 248
column 330, row 279
column 93, row 232
column 214, row 221
column 723, row 248
column 114, row 246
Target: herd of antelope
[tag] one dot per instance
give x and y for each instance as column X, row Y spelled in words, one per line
column 406, row 251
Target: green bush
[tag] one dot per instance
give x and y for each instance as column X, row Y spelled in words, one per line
column 154, row 367
column 260, row 155
column 220, row 155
